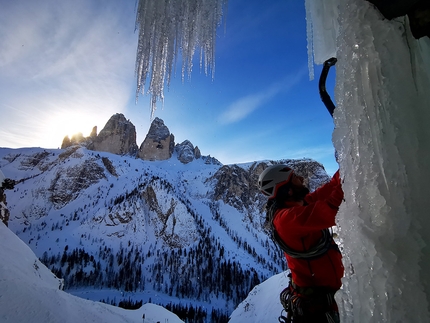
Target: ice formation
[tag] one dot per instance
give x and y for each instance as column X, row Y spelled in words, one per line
column 321, row 33
column 382, row 138
column 168, row 28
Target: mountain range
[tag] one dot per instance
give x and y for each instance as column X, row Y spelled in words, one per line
column 159, row 223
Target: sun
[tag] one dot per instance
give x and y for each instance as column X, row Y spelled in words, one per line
column 69, row 123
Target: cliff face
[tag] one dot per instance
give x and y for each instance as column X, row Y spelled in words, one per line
column 4, row 212
column 5, row 184
column 117, row 137
column 187, row 152
column 158, row 144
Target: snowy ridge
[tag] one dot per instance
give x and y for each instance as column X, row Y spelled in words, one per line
column 262, row 303
column 29, row 292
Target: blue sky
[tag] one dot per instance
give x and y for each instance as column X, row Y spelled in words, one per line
column 68, row 66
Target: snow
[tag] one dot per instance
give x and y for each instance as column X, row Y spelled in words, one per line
column 262, row 303
column 381, row 136
column 92, row 221
column 29, row 292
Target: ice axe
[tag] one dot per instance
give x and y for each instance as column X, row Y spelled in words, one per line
column 325, row 97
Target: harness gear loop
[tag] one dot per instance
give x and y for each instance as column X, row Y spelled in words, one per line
column 308, row 305
column 284, row 319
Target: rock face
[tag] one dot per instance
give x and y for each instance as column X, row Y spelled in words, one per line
column 158, row 144
column 5, row 184
column 170, row 219
column 93, row 133
column 79, row 139
column 68, row 183
column 4, row 212
column 117, row 137
column 186, row 152
column 236, row 185
column 416, row 10
column 211, row 160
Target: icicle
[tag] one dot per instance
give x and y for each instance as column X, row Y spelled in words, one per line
column 309, row 36
column 168, row 27
column 322, row 29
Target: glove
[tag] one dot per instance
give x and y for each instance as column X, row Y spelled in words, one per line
column 336, row 197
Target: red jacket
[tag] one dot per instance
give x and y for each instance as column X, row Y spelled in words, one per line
column 300, row 228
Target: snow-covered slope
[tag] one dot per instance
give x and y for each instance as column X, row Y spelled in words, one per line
column 29, row 292
column 117, row 228
column 262, row 303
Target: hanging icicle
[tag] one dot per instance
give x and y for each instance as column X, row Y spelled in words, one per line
column 168, row 27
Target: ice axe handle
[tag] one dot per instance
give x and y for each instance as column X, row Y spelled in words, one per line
column 325, row 97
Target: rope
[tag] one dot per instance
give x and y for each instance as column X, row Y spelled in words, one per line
column 323, row 245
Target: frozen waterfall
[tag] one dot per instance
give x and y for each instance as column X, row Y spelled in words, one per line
column 169, row 28
column 382, row 137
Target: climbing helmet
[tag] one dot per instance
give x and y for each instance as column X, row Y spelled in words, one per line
column 272, row 178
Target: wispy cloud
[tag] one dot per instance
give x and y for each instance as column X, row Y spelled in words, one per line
column 314, row 152
column 63, row 65
column 242, row 107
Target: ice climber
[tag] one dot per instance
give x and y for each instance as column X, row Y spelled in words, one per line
column 300, row 224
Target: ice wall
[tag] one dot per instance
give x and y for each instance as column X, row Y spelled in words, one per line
column 382, row 137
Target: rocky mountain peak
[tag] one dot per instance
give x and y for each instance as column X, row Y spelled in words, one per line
column 236, row 185
column 76, row 139
column 186, row 152
column 159, row 143
column 118, row 137
column 158, row 130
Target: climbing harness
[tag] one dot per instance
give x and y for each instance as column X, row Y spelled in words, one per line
column 308, row 305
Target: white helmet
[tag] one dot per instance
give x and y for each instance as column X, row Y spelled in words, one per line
column 272, row 178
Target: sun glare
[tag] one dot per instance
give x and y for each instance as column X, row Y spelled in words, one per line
column 69, row 124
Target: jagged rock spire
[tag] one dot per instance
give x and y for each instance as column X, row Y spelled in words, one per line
column 118, row 137
column 158, row 144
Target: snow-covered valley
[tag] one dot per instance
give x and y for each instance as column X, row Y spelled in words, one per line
column 119, row 229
